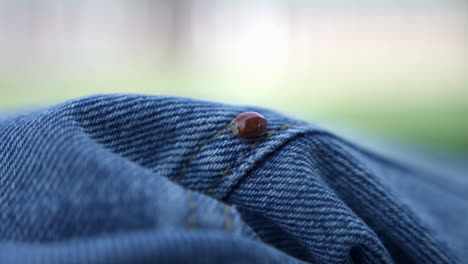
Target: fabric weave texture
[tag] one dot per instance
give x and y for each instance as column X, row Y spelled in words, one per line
column 157, row 179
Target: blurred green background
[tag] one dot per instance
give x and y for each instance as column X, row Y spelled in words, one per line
column 397, row 69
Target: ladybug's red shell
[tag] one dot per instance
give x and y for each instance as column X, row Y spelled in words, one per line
column 249, row 125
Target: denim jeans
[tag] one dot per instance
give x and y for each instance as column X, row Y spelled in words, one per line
column 145, row 179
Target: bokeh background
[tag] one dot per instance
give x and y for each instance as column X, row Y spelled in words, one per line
column 393, row 68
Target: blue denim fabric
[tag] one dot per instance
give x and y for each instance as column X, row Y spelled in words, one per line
column 145, row 179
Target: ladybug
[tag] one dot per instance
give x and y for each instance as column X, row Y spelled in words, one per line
column 248, row 125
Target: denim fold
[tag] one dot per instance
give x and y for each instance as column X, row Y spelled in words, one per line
column 157, row 179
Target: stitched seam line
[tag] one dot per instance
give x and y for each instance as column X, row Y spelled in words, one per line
column 253, row 146
column 192, row 158
column 228, row 218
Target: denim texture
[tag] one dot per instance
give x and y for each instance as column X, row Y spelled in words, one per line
column 150, row 179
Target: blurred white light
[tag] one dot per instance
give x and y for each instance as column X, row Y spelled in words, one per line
column 256, row 43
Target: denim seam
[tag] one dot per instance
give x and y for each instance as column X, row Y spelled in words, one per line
column 194, row 156
column 293, row 137
column 229, row 218
column 253, row 147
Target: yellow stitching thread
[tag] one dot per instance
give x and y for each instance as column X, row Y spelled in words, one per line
column 191, row 220
column 254, row 145
column 281, row 129
column 192, row 158
column 228, row 222
column 218, row 134
column 225, row 171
